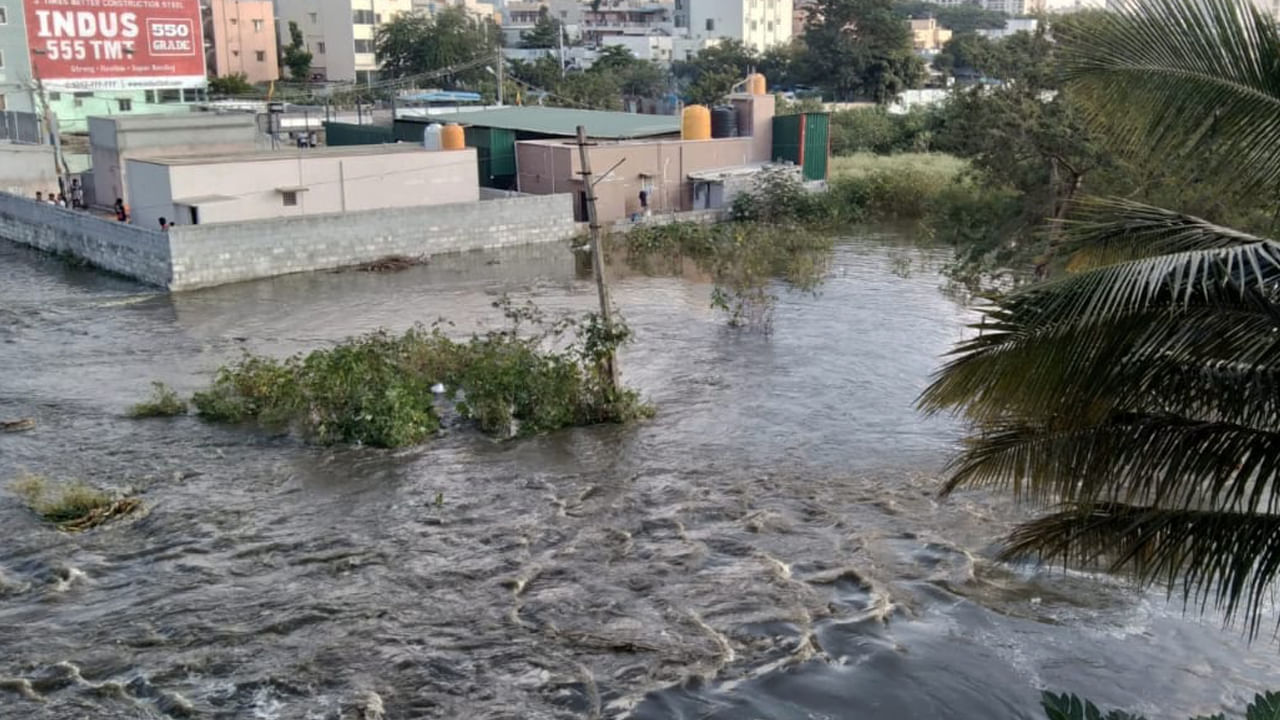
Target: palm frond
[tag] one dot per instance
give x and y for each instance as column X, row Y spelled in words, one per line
column 1225, row 559
column 1135, row 459
column 1106, row 231
column 1193, row 76
column 1203, row 363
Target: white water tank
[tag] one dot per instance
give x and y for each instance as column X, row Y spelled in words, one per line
column 431, row 136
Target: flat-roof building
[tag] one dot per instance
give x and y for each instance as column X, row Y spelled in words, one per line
column 225, row 188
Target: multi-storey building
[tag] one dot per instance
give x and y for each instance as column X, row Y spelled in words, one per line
column 927, row 35
column 339, row 34
column 240, row 37
column 481, row 11
column 760, row 24
column 17, row 91
column 621, row 18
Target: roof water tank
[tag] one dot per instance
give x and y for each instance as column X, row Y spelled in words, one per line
column 695, row 124
column 724, row 122
column 452, row 137
column 756, row 84
column 431, row 136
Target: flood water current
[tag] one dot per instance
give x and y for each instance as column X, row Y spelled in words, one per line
column 769, row 545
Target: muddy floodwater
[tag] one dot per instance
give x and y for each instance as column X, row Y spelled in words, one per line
column 769, row 545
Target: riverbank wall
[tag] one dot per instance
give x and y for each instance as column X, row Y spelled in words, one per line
column 195, row 256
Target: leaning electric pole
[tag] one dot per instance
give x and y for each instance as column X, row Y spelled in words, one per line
column 597, row 255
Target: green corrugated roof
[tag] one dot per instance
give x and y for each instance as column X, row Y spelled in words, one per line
column 565, row 121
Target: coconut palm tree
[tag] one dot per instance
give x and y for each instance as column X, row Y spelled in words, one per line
column 1140, row 394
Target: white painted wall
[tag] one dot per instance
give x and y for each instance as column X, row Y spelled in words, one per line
column 334, row 182
column 760, row 24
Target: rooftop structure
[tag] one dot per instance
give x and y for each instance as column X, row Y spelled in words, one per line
column 564, row 122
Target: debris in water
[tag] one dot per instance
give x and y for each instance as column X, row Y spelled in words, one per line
column 72, row 507
column 392, row 263
column 368, row 707
column 17, row 425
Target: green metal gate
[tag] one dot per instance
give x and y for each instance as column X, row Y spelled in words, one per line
column 817, row 133
column 803, row 140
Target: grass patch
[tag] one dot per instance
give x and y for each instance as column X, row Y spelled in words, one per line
column 164, row 402
column 942, row 165
column 72, row 506
column 377, row 389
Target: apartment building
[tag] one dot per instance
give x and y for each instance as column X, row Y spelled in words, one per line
column 339, row 34
column 927, row 35
column 17, row 90
column 625, row 18
column 481, row 11
column 760, row 24
column 240, row 37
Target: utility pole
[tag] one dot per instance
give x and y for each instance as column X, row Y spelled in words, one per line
column 60, row 168
column 560, row 38
column 597, row 256
column 500, row 73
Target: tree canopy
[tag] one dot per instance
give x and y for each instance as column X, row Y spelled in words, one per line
column 545, row 33
column 415, row 43
column 960, row 19
column 295, row 56
column 1137, row 394
column 858, row 50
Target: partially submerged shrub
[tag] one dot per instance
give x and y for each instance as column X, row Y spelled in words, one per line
column 71, row 506
column 378, row 389
column 743, row 259
column 1070, row 707
column 164, row 402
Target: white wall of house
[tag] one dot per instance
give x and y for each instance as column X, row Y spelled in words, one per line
column 760, row 24
column 308, row 182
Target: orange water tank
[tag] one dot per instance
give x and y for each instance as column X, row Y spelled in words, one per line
column 695, row 124
column 452, row 137
column 756, row 84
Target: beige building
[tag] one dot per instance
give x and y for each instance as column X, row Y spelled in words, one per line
column 481, row 11
column 114, row 140
column 339, row 34
column 667, row 170
column 226, row 188
column 243, row 38
column 927, row 34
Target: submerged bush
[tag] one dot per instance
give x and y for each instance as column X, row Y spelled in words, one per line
column 378, row 389
column 71, row 506
column 164, row 402
column 743, row 259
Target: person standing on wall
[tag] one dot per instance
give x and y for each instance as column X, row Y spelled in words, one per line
column 121, row 214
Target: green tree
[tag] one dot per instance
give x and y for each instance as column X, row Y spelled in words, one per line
column 296, row 57
column 964, row 53
column 545, row 33
column 1138, row 395
column 636, row 78
column 858, row 50
column 709, row 76
column 234, row 84
column 413, row 44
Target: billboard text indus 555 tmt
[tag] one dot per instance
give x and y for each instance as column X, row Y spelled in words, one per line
column 116, row 44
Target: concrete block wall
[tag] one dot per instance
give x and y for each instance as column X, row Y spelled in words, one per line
column 132, row 251
column 207, row 255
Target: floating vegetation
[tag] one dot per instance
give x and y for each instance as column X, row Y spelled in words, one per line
column 380, row 389
column 19, row 425
column 392, row 263
column 164, row 402
column 743, row 259
column 73, row 506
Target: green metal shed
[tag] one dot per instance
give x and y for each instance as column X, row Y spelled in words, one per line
column 805, row 140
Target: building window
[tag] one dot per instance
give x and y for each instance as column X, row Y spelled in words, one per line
column 364, row 46
column 84, row 94
column 754, row 25
column 377, row 18
column 262, row 55
column 320, row 48
column 362, row 17
column 170, row 96
column 312, row 18
column 257, row 26
column 126, row 104
column 232, row 21
column 55, row 97
column 289, row 197
column 235, row 53
column 4, row 16
column 1, row 59
column 711, row 25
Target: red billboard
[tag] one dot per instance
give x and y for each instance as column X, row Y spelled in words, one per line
column 116, row 44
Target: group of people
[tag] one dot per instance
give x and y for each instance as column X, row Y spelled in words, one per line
column 72, row 199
